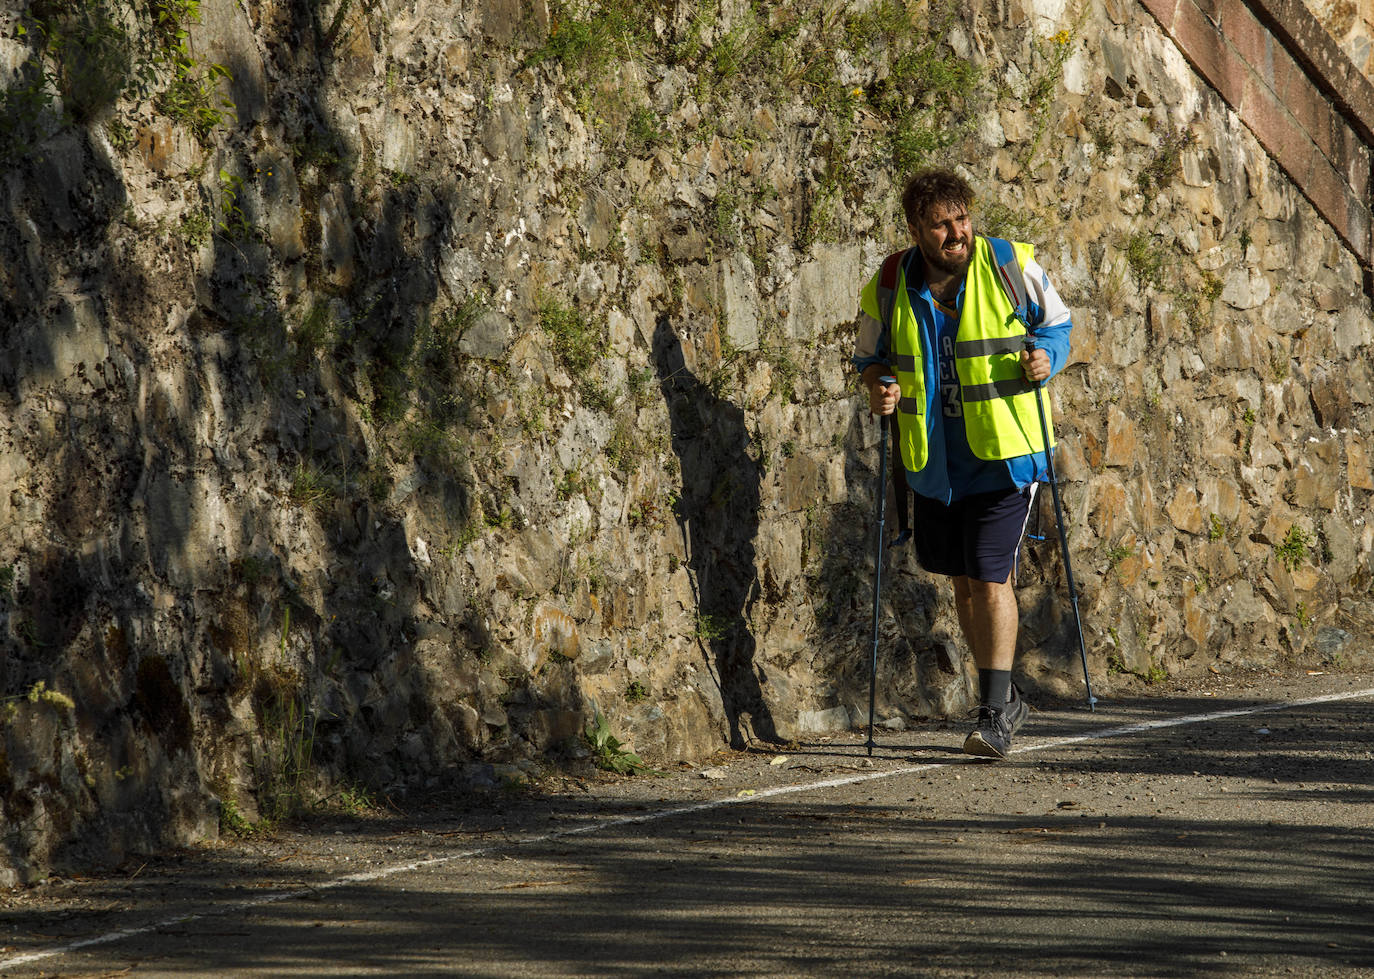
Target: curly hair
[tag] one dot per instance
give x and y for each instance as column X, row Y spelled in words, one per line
column 933, row 187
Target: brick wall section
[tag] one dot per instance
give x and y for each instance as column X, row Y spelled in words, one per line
column 1307, row 104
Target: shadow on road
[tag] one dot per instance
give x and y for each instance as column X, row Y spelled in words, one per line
column 923, row 874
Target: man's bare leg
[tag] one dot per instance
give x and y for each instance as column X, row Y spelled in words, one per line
column 989, row 619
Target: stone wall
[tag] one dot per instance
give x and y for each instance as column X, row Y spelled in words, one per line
column 1296, row 91
column 487, row 368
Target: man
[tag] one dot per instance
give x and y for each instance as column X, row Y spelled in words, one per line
column 968, row 426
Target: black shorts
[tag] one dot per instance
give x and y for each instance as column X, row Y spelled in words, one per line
column 978, row 536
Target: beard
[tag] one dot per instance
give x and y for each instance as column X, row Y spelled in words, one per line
column 947, row 265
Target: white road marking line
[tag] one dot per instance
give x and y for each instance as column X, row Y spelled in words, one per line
column 368, row 876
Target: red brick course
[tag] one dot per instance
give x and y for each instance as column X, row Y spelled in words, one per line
column 1329, row 194
column 1207, row 50
column 1295, row 90
column 1249, row 39
column 1276, row 129
column 1313, row 112
column 1353, row 159
column 1163, row 11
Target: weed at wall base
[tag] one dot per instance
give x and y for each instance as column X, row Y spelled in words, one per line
column 609, row 754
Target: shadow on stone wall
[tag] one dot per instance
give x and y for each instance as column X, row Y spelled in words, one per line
column 154, row 584
column 719, row 507
column 921, row 669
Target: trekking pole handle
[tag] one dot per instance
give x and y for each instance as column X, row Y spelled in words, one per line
column 1030, row 346
column 887, row 380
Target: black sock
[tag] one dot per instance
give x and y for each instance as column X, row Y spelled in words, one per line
column 994, row 687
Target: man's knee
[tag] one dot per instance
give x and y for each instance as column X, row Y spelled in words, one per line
column 987, row 589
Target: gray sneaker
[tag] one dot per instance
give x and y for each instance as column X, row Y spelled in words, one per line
column 1017, row 710
column 992, row 737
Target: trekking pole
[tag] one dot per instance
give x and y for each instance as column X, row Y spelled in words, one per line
column 1063, row 534
column 881, row 490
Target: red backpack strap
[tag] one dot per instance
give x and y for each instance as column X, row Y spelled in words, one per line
column 887, row 284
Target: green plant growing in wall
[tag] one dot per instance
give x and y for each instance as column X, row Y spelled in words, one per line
column 644, row 131
column 710, row 628
column 87, row 55
column 1216, row 530
column 233, row 822
column 78, row 52
column 1118, row 553
column 577, row 342
column 1196, row 304
column 234, row 223
column 1156, row 674
column 310, row 489
column 928, row 98
column 191, row 96
column 1292, row 550
column 195, row 226
column 1049, row 57
column 1014, row 224
column 1146, row 259
column 1166, row 163
column 587, row 39
column 624, row 449
column 1247, row 421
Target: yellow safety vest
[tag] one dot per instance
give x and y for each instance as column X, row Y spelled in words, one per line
column 1001, row 419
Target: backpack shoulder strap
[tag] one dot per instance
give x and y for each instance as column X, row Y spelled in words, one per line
column 887, row 284
column 1009, row 274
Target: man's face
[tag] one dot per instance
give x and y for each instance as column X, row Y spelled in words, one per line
column 945, row 237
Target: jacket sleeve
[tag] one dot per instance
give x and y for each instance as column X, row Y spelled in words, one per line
column 1051, row 316
column 870, row 346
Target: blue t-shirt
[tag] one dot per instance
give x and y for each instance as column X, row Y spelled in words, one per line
column 952, row 470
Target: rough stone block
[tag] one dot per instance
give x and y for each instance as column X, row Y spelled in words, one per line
column 825, row 292
column 1108, row 506
column 1359, row 461
column 826, row 721
column 1123, row 439
column 739, row 297
column 1313, row 487
column 488, row 338
column 1185, row 512
column 555, row 633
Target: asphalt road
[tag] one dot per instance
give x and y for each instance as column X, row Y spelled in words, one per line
column 1225, row 830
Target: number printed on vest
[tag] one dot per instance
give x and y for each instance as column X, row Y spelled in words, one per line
column 949, row 379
